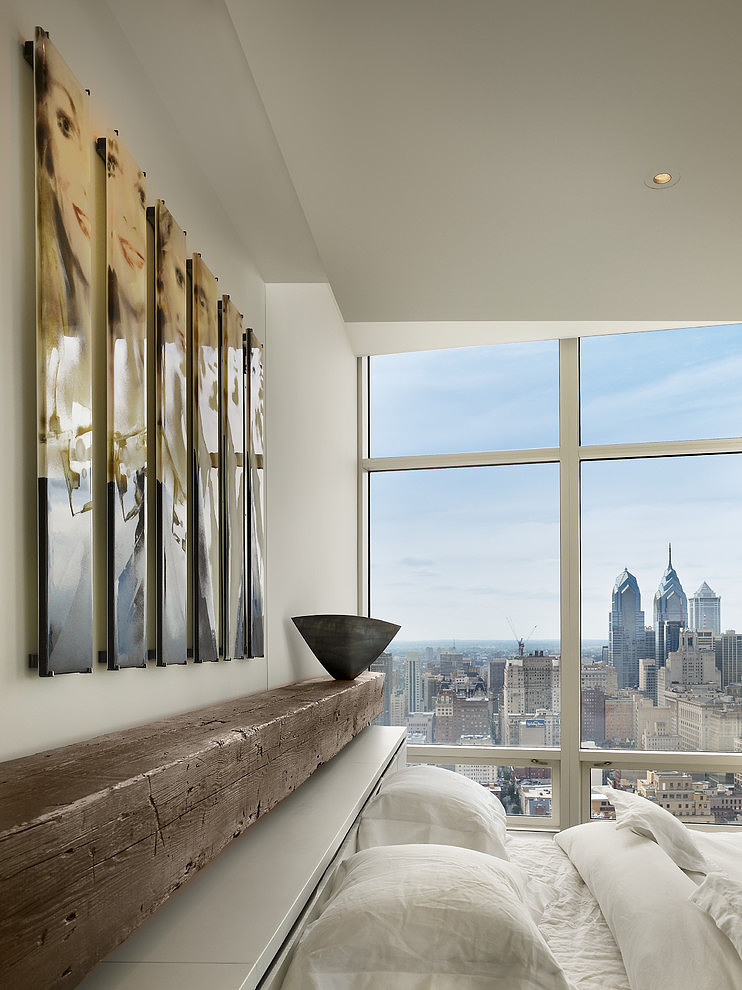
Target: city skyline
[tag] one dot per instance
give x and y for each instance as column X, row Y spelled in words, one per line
column 460, row 553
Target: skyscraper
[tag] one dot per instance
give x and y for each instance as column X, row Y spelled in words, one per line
column 648, row 678
column 704, row 610
column 731, row 657
column 385, row 664
column 413, row 682
column 531, row 683
column 626, row 629
column 670, row 613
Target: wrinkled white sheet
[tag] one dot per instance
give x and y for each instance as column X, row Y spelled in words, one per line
column 572, row 924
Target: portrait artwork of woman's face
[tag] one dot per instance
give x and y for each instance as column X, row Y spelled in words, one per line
column 126, row 202
column 63, row 246
column 63, row 150
column 63, row 255
column 126, row 196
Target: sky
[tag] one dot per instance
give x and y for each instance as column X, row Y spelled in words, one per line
column 463, row 553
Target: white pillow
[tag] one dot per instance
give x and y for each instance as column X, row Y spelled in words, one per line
column 664, row 940
column 430, row 804
column 723, row 852
column 721, row 898
column 437, row 917
column 649, row 819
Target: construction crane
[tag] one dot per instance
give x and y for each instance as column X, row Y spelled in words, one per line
column 521, row 642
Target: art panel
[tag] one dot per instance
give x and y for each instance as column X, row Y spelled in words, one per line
column 233, row 480
column 64, row 368
column 171, row 405
column 256, row 539
column 206, row 473
column 126, row 255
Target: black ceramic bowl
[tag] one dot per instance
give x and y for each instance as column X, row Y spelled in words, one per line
column 345, row 645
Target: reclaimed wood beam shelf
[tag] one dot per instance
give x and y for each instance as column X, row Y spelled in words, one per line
column 96, row 836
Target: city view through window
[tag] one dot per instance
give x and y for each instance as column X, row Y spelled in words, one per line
column 467, row 559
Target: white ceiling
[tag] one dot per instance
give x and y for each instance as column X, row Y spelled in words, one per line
column 453, row 160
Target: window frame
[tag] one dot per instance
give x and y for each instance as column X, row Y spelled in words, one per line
column 570, row 763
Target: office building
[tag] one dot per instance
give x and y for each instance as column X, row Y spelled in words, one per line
column 670, row 612
column 385, row 664
column 592, row 715
column 601, row 674
column 729, row 646
column 413, row 682
column 531, row 682
column 648, row 679
column 691, row 663
column 626, row 629
column 704, row 610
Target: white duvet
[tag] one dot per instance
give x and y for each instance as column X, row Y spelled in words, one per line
column 665, row 940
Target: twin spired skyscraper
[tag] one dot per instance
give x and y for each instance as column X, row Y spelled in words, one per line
column 630, row 642
column 670, row 613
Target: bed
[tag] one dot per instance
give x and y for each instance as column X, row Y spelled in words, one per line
column 431, row 892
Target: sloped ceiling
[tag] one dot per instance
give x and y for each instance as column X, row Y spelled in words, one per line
column 472, row 160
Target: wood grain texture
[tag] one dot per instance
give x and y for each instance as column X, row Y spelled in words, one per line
column 96, row 836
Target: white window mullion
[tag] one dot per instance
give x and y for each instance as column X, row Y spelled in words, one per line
column 475, row 458
column 363, row 548
column 569, row 513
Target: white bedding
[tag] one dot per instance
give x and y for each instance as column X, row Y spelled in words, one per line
column 600, row 882
column 572, row 924
column 665, row 940
column 425, row 917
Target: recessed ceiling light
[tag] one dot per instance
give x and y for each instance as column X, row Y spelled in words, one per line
column 661, row 180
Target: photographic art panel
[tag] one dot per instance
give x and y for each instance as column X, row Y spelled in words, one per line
column 171, row 466
column 256, row 538
column 63, row 351
column 206, row 474
column 126, row 348
column 233, row 479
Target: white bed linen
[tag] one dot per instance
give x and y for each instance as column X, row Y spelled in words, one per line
column 572, row 923
column 655, row 822
column 425, row 917
column 723, row 852
column 665, row 940
column 431, row 804
column 721, row 899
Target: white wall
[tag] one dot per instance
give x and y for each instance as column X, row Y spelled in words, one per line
column 40, row 713
column 312, row 485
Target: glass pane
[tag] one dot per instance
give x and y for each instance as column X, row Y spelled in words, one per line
column 521, row 790
column 661, row 599
column 696, row 797
column 467, row 561
column 500, row 397
column 661, row 385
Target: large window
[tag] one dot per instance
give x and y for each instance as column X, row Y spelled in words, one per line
column 661, row 385
column 557, row 528
column 464, row 399
column 662, row 580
